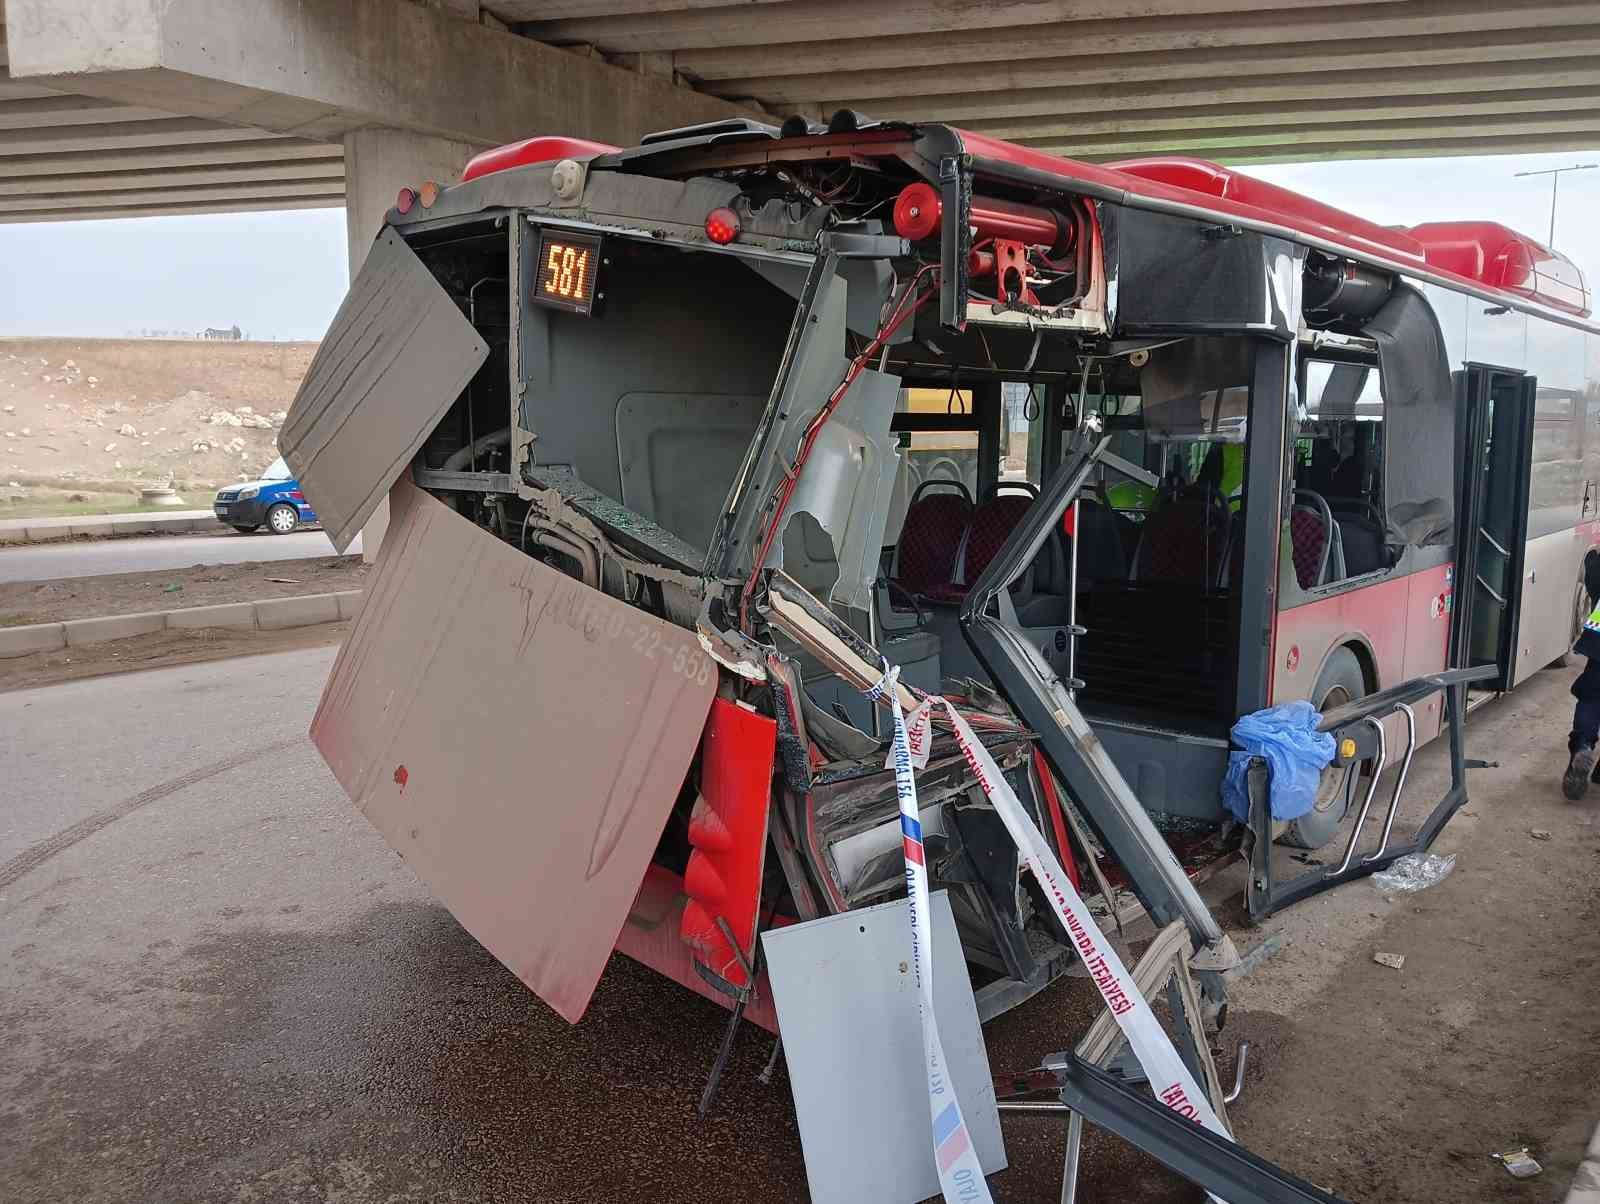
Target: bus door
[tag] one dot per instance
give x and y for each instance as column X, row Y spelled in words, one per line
column 1492, row 528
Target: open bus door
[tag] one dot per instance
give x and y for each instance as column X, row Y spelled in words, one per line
column 1496, row 453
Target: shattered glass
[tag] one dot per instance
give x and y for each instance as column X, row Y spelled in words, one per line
column 1414, row 872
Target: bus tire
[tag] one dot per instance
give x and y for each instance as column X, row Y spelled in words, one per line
column 1340, row 681
column 1582, row 605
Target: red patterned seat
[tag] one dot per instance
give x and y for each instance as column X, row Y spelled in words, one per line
column 992, row 524
column 951, row 593
column 930, row 542
column 1308, row 537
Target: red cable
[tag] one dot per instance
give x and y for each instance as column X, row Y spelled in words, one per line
column 1052, row 802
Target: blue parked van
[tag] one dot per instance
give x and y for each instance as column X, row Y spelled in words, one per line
column 276, row 500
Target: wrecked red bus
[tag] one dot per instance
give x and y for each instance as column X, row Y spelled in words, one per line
column 683, row 441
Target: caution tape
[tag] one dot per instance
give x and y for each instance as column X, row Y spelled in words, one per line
column 1169, row 1077
column 960, row 1175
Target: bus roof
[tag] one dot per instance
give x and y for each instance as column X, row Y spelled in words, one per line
column 1487, row 258
column 1487, row 255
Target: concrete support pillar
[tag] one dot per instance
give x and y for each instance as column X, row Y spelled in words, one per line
column 377, row 164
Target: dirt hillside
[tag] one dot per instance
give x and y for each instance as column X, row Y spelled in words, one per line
column 87, row 417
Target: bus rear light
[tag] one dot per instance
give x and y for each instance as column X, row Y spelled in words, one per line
column 404, row 202
column 917, row 212
column 722, row 226
column 429, row 194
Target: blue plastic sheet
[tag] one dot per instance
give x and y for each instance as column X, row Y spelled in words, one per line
column 1295, row 751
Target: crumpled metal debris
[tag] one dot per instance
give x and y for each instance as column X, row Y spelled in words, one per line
column 1519, row 1162
column 1414, row 872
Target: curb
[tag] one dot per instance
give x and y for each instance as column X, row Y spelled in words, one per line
column 1585, row 1187
column 107, row 526
column 270, row 614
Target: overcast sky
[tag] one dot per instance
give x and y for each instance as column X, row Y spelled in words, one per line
column 282, row 275
column 277, row 275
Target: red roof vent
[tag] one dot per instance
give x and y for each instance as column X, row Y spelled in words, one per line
column 1201, row 175
column 531, row 150
column 1499, row 257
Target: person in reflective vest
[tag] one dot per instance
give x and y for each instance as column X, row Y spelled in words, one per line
column 1586, row 715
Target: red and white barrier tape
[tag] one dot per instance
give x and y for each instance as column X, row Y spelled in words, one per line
column 960, row 1175
column 1169, row 1077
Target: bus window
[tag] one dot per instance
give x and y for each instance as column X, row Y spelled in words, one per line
column 928, row 456
column 1556, row 475
column 1022, row 431
column 1338, row 474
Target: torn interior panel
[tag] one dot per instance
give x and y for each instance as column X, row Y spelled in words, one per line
column 845, row 489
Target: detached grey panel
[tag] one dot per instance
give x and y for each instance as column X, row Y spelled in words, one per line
column 852, row 1039
column 397, row 355
column 1419, row 415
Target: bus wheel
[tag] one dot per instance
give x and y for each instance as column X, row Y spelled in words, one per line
column 1580, row 611
column 1340, row 681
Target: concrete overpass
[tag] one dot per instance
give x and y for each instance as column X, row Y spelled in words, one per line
column 65, row 156
column 119, row 107
column 112, row 108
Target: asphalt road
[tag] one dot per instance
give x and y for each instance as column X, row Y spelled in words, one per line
column 40, row 562
column 218, row 983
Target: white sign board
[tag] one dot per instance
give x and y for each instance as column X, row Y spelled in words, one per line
column 852, row 1041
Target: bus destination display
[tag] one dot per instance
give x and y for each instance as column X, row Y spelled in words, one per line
column 568, row 267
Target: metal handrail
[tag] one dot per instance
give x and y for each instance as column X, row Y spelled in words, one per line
column 1400, row 782
column 1366, row 803
column 1240, row 1058
column 1489, row 589
column 1493, row 542
column 1072, row 599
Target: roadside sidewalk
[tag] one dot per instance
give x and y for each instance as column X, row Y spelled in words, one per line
column 266, row 614
column 106, row 526
column 1585, row 1187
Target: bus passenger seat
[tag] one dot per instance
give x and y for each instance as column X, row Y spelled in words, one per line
column 992, row 524
column 1102, row 555
column 1183, row 541
column 931, row 537
column 1309, row 537
column 1363, row 544
column 1314, row 539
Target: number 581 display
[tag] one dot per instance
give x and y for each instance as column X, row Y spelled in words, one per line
column 566, row 271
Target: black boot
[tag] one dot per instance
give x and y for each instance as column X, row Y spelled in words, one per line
column 1575, row 782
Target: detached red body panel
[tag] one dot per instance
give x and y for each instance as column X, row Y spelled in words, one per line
column 651, row 938
column 516, row 736
column 728, row 832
